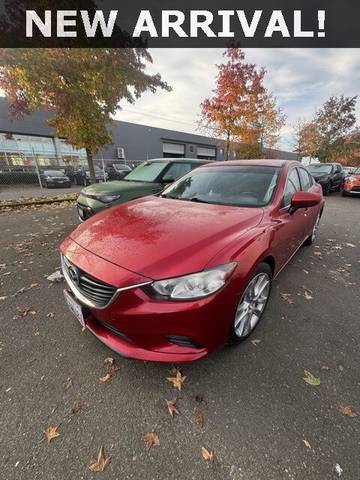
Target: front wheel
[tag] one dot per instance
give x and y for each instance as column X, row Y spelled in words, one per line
column 252, row 304
column 327, row 189
column 311, row 239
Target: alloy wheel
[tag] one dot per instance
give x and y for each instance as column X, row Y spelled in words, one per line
column 252, row 305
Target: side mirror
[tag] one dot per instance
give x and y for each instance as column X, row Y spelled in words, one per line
column 304, row 200
column 168, row 180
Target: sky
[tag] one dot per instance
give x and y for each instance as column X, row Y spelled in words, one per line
column 301, row 79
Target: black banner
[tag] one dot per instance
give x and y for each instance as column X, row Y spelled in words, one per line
column 181, row 23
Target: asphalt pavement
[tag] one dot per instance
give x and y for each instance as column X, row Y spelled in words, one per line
column 258, row 416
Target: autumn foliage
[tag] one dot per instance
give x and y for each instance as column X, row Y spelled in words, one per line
column 241, row 111
column 82, row 87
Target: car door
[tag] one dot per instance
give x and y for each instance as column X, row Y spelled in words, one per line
column 290, row 226
column 310, row 214
column 338, row 176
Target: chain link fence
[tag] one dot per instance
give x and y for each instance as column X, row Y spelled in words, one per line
column 32, row 175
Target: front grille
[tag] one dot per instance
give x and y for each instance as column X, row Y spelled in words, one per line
column 98, row 293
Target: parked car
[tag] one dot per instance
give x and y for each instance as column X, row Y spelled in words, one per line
column 54, row 178
column 330, row 176
column 147, row 179
column 82, row 175
column 352, row 184
column 174, row 276
column 117, row 171
column 348, row 171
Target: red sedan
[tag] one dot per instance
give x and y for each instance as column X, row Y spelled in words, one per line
column 173, row 277
column 352, row 183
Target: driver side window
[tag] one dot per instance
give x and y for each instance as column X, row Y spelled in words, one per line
column 292, row 186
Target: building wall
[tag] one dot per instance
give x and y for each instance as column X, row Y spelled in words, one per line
column 141, row 142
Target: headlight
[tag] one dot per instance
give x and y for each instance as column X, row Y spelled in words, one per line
column 108, row 198
column 196, row 285
column 351, row 179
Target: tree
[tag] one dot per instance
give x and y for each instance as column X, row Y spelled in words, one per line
column 267, row 124
column 334, row 123
column 305, row 139
column 83, row 87
column 234, row 107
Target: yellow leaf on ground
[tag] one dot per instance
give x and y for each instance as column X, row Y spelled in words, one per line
column 307, row 444
column 151, row 439
column 207, row 455
column 105, row 378
column 178, row 380
column 101, row 463
column 347, row 411
column 311, row 379
column 51, row 433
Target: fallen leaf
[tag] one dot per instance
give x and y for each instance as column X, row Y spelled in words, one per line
column 68, row 384
column 350, row 245
column 199, row 398
column 51, row 433
column 151, row 439
column 307, row 295
column 76, row 407
column 105, row 378
column 3, row 298
column 311, row 379
column 178, row 380
column 287, row 297
column 207, row 455
column 338, row 469
column 51, row 315
column 101, row 463
column 171, row 405
column 347, row 411
column 199, row 418
column 55, row 277
column 33, row 285
column 109, row 360
column 255, row 341
column 307, row 444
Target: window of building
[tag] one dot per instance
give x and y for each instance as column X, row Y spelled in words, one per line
column 173, row 150
column 206, row 153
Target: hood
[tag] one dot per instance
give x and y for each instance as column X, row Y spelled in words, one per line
column 117, row 186
column 160, row 238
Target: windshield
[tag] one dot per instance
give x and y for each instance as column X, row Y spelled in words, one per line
column 54, row 173
column 146, row 172
column 246, row 186
column 357, row 171
column 320, row 168
column 120, row 167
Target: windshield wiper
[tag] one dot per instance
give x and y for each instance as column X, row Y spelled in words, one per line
column 196, row 199
column 164, row 195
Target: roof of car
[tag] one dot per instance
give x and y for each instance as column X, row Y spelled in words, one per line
column 265, row 162
column 192, row 160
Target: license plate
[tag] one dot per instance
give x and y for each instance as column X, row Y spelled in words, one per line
column 74, row 307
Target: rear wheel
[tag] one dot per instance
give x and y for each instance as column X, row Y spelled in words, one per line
column 327, row 189
column 252, row 304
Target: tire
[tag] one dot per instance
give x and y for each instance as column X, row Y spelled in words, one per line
column 241, row 328
column 311, row 239
column 327, row 189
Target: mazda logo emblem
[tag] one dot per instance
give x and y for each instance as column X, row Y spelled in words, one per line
column 74, row 274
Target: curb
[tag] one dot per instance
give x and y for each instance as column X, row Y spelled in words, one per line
column 42, row 202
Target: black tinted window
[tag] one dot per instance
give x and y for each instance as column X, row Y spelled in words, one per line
column 292, row 186
column 306, row 181
column 252, row 186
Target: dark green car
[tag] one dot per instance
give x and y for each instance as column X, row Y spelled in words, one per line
column 147, row 179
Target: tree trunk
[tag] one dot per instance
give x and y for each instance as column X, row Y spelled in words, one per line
column 91, row 165
column 227, row 146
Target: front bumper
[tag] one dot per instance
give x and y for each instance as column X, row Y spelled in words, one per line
column 351, row 188
column 138, row 326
